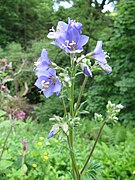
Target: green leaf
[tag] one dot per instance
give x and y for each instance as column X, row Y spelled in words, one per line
column 24, row 168
column 4, row 164
column 4, row 74
column 2, row 113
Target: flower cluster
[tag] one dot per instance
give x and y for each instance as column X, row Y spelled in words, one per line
column 68, row 36
column 47, row 80
column 19, row 114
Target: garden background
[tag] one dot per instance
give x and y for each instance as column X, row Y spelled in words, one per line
column 24, row 26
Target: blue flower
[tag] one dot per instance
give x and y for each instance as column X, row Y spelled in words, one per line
column 100, row 56
column 71, row 41
column 68, row 36
column 48, row 83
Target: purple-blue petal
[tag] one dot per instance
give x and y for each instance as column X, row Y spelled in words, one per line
column 98, row 48
column 82, row 40
column 107, row 69
column 39, row 80
column 51, row 134
column 57, row 87
column 49, row 91
column 98, row 53
column 87, row 71
column 44, row 56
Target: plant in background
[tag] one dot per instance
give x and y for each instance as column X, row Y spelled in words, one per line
column 8, row 101
column 69, row 38
column 13, row 105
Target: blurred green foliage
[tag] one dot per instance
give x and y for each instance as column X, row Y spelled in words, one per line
column 23, row 20
column 119, row 85
column 114, row 153
column 115, row 29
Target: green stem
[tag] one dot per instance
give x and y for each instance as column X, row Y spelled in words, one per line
column 80, row 95
column 72, row 87
column 5, row 142
column 75, row 170
column 93, row 148
column 64, row 106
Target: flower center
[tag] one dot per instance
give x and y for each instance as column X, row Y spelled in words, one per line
column 53, row 79
column 71, row 45
column 45, row 84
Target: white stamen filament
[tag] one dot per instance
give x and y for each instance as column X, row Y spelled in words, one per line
column 45, row 84
column 37, row 63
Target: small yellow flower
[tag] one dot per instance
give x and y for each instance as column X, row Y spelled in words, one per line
column 45, row 157
column 41, row 138
column 39, row 143
column 34, row 165
column 45, row 153
column 134, row 172
column 51, row 167
column 56, row 141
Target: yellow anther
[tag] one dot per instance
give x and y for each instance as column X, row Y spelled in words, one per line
column 72, row 43
column 37, row 63
column 44, row 84
column 59, row 27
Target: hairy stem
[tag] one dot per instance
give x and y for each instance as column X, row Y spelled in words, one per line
column 93, row 148
column 80, row 95
column 71, row 132
column 64, row 106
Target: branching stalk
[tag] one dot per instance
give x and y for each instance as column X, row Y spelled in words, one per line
column 93, row 148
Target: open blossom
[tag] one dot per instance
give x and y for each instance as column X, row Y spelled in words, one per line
column 69, row 37
column 72, row 41
column 100, row 56
column 49, row 83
